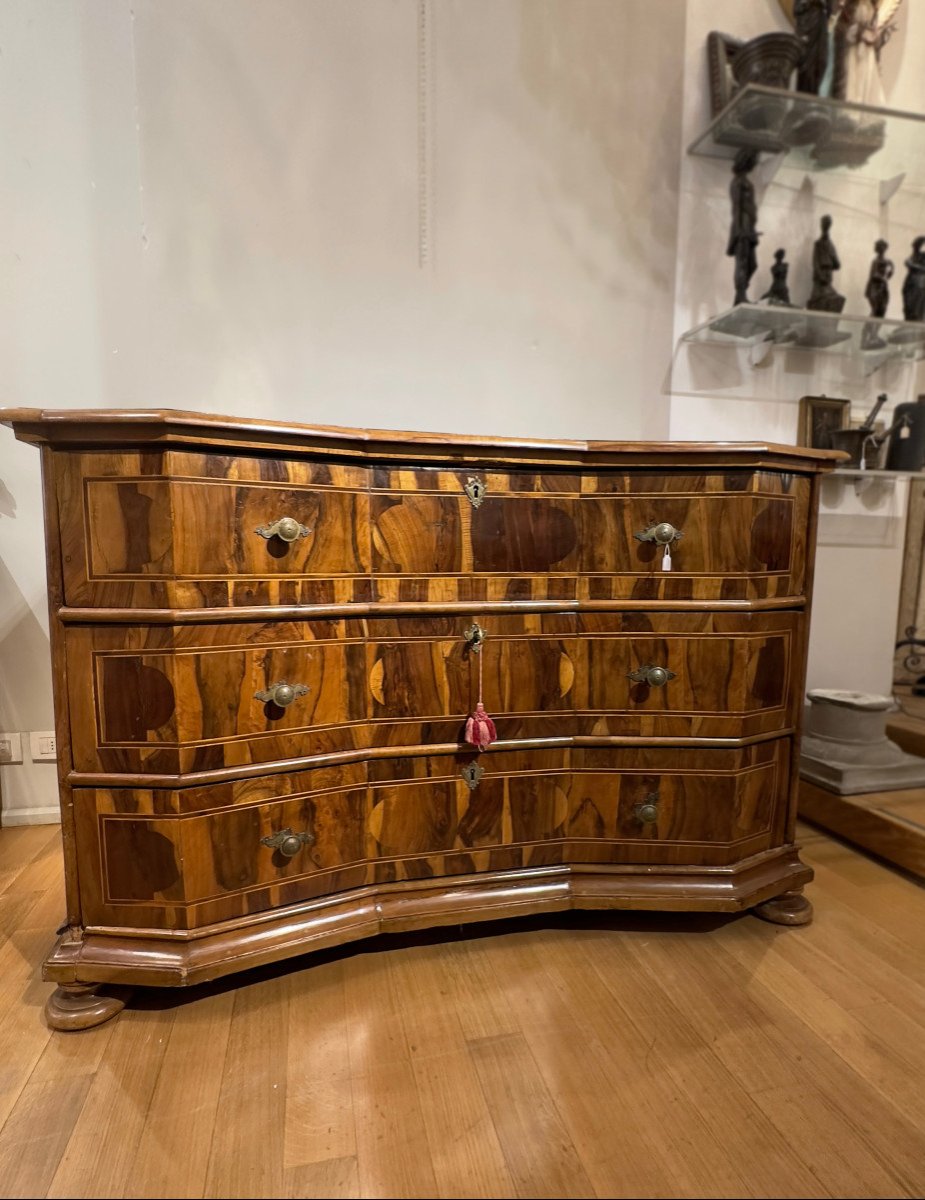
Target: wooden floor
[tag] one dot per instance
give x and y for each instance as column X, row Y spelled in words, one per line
column 625, row 1055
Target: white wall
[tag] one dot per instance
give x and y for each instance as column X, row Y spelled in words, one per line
column 716, row 393
column 452, row 215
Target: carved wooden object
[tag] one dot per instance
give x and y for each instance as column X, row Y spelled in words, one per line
column 264, row 657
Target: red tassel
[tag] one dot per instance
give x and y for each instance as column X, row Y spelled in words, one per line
column 480, row 728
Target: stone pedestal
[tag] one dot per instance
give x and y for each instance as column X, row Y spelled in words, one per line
column 845, row 747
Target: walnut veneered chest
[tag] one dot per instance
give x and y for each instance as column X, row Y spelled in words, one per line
column 264, row 655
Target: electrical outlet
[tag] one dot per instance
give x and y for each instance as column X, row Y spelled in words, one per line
column 10, row 748
column 44, row 746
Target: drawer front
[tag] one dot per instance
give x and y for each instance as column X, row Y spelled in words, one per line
column 175, row 699
column 517, row 537
column 146, row 865
column 604, row 805
column 160, row 859
column 731, row 675
column 178, row 699
column 423, row 676
column 180, row 530
column 573, row 536
column 732, row 545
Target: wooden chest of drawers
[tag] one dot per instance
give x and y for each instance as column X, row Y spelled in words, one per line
column 263, row 663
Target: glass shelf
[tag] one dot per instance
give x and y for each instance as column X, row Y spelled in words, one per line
column 816, row 133
column 764, row 327
column 877, row 473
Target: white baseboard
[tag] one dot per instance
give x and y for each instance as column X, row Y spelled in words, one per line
column 30, row 816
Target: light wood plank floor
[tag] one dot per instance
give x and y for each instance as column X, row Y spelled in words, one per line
column 599, row 1055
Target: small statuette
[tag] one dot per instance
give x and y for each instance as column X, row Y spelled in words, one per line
column 824, row 297
column 779, row 291
column 743, row 228
column 914, row 285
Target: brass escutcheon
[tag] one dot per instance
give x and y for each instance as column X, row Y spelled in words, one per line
column 475, row 636
column 472, row 775
column 476, row 490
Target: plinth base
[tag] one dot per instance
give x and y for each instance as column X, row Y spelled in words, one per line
column 853, row 779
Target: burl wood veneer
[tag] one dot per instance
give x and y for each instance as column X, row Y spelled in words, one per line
column 263, row 662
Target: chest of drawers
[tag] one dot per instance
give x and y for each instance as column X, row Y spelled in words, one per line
column 266, row 640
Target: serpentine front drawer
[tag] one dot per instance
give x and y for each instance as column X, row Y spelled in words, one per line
column 167, row 699
column 293, row 837
column 179, row 530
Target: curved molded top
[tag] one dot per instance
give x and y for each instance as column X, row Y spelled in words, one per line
column 88, row 428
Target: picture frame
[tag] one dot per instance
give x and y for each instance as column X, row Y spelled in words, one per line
column 818, row 417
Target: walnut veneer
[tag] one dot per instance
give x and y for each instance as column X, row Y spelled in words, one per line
column 208, row 827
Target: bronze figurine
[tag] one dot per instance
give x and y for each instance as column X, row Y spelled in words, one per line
column 811, row 18
column 743, row 232
column 914, row 284
column 824, row 297
column 877, row 291
column 779, row 291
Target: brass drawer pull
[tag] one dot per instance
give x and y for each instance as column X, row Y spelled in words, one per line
column 647, row 811
column 662, row 534
column 653, row 676
column 475, row 636
column 288, row 843
column 282, row 694
column 287, row 529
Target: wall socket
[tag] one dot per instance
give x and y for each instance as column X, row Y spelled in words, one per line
column 10, row 748
column 43, row 746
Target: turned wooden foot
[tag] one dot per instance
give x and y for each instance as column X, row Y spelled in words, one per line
column 74, row 1006
column 792, row 908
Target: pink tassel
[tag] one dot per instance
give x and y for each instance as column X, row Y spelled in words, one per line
column 480, row 728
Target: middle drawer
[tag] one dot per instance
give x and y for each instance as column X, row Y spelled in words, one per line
column 174, row 699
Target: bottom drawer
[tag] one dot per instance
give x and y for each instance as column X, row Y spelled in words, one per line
column 184, row 859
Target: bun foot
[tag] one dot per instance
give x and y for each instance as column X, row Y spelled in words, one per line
column 792, row 908
column 74, row 1006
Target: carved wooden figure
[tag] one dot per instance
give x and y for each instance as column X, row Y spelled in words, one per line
column 266, row 639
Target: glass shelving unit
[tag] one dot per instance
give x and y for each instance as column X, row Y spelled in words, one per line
column 817, row 133
column 870, row 342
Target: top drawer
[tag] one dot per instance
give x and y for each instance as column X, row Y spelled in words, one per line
column 180, row 530
column 172, row 529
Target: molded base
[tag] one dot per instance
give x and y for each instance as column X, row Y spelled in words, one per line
column 792, row 908
column 74, row 1006
column 177, row 958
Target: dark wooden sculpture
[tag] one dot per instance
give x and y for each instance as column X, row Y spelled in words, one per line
column 914, row 283
column 779, row 291
column 266, row 641
column 826, row 262
column 743, row 227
